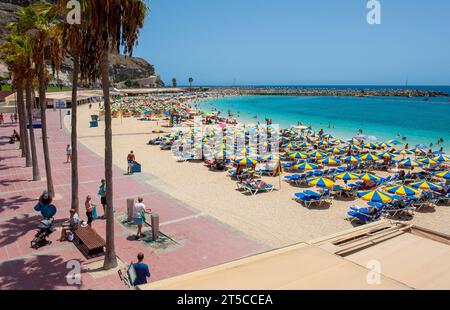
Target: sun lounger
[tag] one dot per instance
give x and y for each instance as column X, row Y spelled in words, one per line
column 258, row 186
column 362, row 216
column 399, row 207
column 337, row 190
column 308, row 198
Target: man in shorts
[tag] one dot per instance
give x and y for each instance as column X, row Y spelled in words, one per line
column 130, row 159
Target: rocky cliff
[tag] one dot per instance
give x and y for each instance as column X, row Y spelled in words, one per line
column 122, row 68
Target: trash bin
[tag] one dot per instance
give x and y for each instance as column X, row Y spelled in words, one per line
column 94, row 118
column 68, row 112
column 94, row 124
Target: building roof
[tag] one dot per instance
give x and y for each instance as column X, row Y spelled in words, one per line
column 408, row 257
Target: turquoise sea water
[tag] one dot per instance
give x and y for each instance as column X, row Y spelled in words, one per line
column 385, row 118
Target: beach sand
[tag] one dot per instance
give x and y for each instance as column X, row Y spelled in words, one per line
column 273, row 219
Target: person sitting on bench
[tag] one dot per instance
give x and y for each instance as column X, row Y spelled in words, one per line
column 71, row 226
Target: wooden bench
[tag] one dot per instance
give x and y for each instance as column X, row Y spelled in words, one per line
column 90, row 243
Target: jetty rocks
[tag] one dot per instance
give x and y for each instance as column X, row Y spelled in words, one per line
column 280, row 91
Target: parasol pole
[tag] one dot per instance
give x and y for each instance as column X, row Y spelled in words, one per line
column 280, row 171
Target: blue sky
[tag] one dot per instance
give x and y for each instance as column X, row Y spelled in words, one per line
column 297, row 42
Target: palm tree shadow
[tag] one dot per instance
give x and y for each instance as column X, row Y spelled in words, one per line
column 13, row 203
column 16, row 227
column 43, row 272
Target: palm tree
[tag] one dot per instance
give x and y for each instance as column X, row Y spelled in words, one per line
column 191, row 80
column 174, row 82
column 115, row 24
column 36, row 22
column 29, row 95
column 12, row 51
column 71, row 34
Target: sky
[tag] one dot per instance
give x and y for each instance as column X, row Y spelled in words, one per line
column 297, row 42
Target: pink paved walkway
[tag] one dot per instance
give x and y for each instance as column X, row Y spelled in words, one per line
column 203, row 241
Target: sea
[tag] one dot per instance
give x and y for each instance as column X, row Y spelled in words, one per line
column 408, row 120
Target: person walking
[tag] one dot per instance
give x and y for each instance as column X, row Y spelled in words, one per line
column 130, row 159
column 142, row 270
column 68, row 153
column 139, row 212
column 16, row 117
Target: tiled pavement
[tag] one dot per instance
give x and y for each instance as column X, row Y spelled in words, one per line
column 202, row 241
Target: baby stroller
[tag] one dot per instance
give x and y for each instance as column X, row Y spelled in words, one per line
column 45, row 226
column 45, row 229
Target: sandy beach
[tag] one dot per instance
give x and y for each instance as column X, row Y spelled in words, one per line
column 273, row 219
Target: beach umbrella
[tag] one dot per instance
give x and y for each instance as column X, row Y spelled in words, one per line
column 418, row 151
column 385, row 145
column 298, row 155
column 375, row 196
column 271, row 157
column 441, row 158
column 394, row 142
column 387, row 155
column 305, row 167
column 410, row 163
column 369, row 177
column 202, row 146
column 291, row 146
column 402, row 190
column 426, row 186
column 245, row 161
column 304, row 144
column 339, row 141
column 336, row 150
column 330, row 161
column 355, row 148
column 317, row 154
column 352, row 159
column 320, row 182
column 347, row 176
column 328, row 136
column 428, row 161
column 370, row 146
column 443, row 174
column 284, row 139
column 421, row 146
column 222, row 146
column 323, row 143
column 369, row 157
column 404, row 152
column 246, row 151
column 223, row 153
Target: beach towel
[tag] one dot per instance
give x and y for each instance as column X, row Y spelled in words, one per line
column 94, row 212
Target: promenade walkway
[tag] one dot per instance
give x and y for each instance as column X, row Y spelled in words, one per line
column 200, row 241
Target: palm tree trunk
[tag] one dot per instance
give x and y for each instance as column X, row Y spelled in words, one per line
column 23, row 125
column 76, row 67
column 29, row 99
column 110, row 255
column 18, row 107
column 43, row 107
